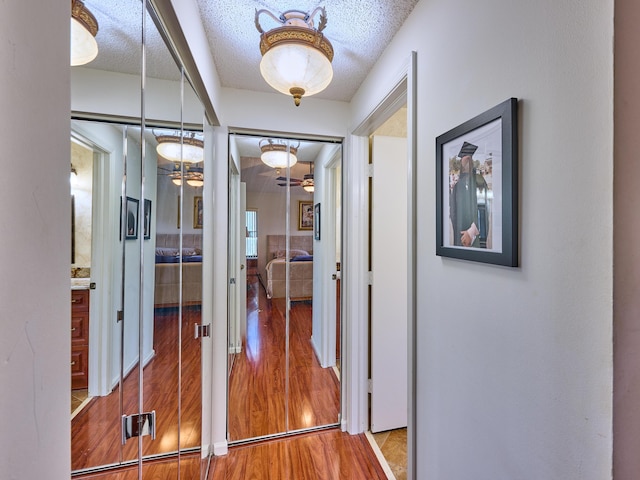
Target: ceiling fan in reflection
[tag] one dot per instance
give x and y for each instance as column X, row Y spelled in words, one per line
column 307, row 182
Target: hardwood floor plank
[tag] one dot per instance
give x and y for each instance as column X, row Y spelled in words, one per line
column 327, row 455
column 188, row 468
column 257, row 385
column 95, row 431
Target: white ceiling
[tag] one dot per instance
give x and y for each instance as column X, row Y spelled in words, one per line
column 359, row 30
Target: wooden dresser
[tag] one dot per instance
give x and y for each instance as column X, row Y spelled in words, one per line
column 79, row 338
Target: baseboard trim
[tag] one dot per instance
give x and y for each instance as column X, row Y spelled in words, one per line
column 380, row 456
column 220, row 448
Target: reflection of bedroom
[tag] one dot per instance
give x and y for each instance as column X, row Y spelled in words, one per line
column 288, row 256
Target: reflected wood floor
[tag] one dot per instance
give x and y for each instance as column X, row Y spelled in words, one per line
column 326, row 455
column 188, row 468
column 96, row 430
column 257, row 385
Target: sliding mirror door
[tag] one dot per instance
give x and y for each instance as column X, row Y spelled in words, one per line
column 283, row 325
column 143, row 396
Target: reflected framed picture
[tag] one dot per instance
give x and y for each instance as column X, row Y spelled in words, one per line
column 147, row 219
column 316, row 221
column 131, row 216
column 305, row 215
column 197, row 212
column 477, row 188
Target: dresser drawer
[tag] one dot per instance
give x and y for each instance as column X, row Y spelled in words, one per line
column 79, row 328
column 79, row 367
column 80, row 300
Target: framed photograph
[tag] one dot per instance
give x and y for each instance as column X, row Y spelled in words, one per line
column 197, row 212
column 147, row 219
column 316, row 221
column 305, row 215
column 131, row 231
column 477, row 188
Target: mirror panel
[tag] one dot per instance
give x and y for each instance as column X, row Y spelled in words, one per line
column 149, row 360
column 282, row 378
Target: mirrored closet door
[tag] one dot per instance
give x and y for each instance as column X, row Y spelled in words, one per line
column 136, row 255
column 284, row 263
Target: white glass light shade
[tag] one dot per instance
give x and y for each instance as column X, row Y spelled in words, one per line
column 308, row 185
column 291, row 65
column 172, row 150
column 279, row 158
column 84, row 47
column 195, row 182
column 177, row 181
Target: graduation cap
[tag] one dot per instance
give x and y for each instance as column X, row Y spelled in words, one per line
column 467, row 149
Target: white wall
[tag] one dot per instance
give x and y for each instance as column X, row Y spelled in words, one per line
column 276, row 112
column 34, row 228
column 514, row 378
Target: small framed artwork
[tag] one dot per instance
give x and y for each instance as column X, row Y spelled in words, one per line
column 316, row 221
column 305, row 215
column 132, row 219
column 197, row 212
column 147, row 219
column 477, row 188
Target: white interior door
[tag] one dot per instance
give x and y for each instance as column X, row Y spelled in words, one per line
column 389, row 230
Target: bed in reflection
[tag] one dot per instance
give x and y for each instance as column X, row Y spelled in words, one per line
column 300, row 267
column 167, row 280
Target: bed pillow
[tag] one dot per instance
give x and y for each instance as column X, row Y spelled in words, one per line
column 302, row 258
column 292, row 253
column 166, row 252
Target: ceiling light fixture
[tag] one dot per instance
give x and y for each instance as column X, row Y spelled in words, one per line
column 84, row 28
column 278, row 154
column 180, row 148
column 194, row 176
column 307, row 183
column 296, row 57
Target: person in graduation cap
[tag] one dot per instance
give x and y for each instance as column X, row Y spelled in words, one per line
column 463, row 201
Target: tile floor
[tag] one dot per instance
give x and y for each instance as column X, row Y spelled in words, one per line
column 393, row 445
column 77, row 397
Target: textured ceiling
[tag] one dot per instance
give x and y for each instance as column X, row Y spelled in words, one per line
column 359, row 30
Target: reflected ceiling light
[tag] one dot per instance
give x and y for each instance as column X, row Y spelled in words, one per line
column 84, row 28
column 194, row 176
column 296, row 57
column 180, row 148
column 275, row 154
column 307, row 183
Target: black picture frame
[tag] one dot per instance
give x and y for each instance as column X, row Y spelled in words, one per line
column 316, row 221
column 485, row 189
column 197, row 212
column 131, row 219
column 147, row 219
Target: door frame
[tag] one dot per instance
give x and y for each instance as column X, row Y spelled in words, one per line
column 402, row 89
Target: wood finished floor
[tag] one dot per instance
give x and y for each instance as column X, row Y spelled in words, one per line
column 257, row 386
column 326, row 455
column 95, row 431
